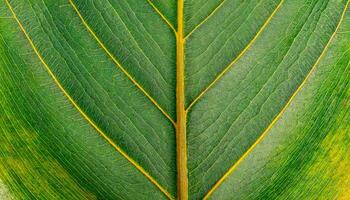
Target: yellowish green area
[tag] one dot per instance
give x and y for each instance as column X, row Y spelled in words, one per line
column 28, row 169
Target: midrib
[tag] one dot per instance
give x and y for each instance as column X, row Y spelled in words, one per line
column 181, row 143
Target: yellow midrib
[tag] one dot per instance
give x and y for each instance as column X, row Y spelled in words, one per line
column 181, row 139
column 180, row 125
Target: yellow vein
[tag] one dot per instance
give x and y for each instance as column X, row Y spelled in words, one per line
column 119, row 64
column 181, row 138
column 205, row 19
column 235, row 165
column 161, row 15
column 85, row 116
column 237, row 58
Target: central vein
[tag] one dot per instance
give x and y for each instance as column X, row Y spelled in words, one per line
column 181, row 143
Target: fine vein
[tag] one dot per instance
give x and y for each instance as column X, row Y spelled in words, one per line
column 237, row 58
column 119, row 65
column 84, row 115
column 236, row 164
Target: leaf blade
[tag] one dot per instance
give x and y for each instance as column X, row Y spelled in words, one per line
column 315, row 164
column 245, row 112
column 163, row 169
column 278, row 116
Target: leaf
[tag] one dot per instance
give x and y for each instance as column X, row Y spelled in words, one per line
column 165, row 99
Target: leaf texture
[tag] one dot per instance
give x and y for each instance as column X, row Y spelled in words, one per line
column 91, row 105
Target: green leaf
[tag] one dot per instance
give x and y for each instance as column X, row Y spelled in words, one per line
column 165, row 99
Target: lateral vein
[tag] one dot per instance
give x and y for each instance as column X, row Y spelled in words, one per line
column 237, row 58
column 84, row 115
column 205, row 19
column 162, row 16
column 278, row 116
column 119, row 65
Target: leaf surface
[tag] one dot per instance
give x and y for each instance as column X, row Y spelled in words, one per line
column 92, row 108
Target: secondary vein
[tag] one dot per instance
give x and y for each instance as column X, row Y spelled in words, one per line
column 119, row 65
column 162, row 15
column 236, row 164
column 84, row 115
column 237, row 58
column 205, row 19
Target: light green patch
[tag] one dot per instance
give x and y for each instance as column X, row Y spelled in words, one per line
column 4, row 192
